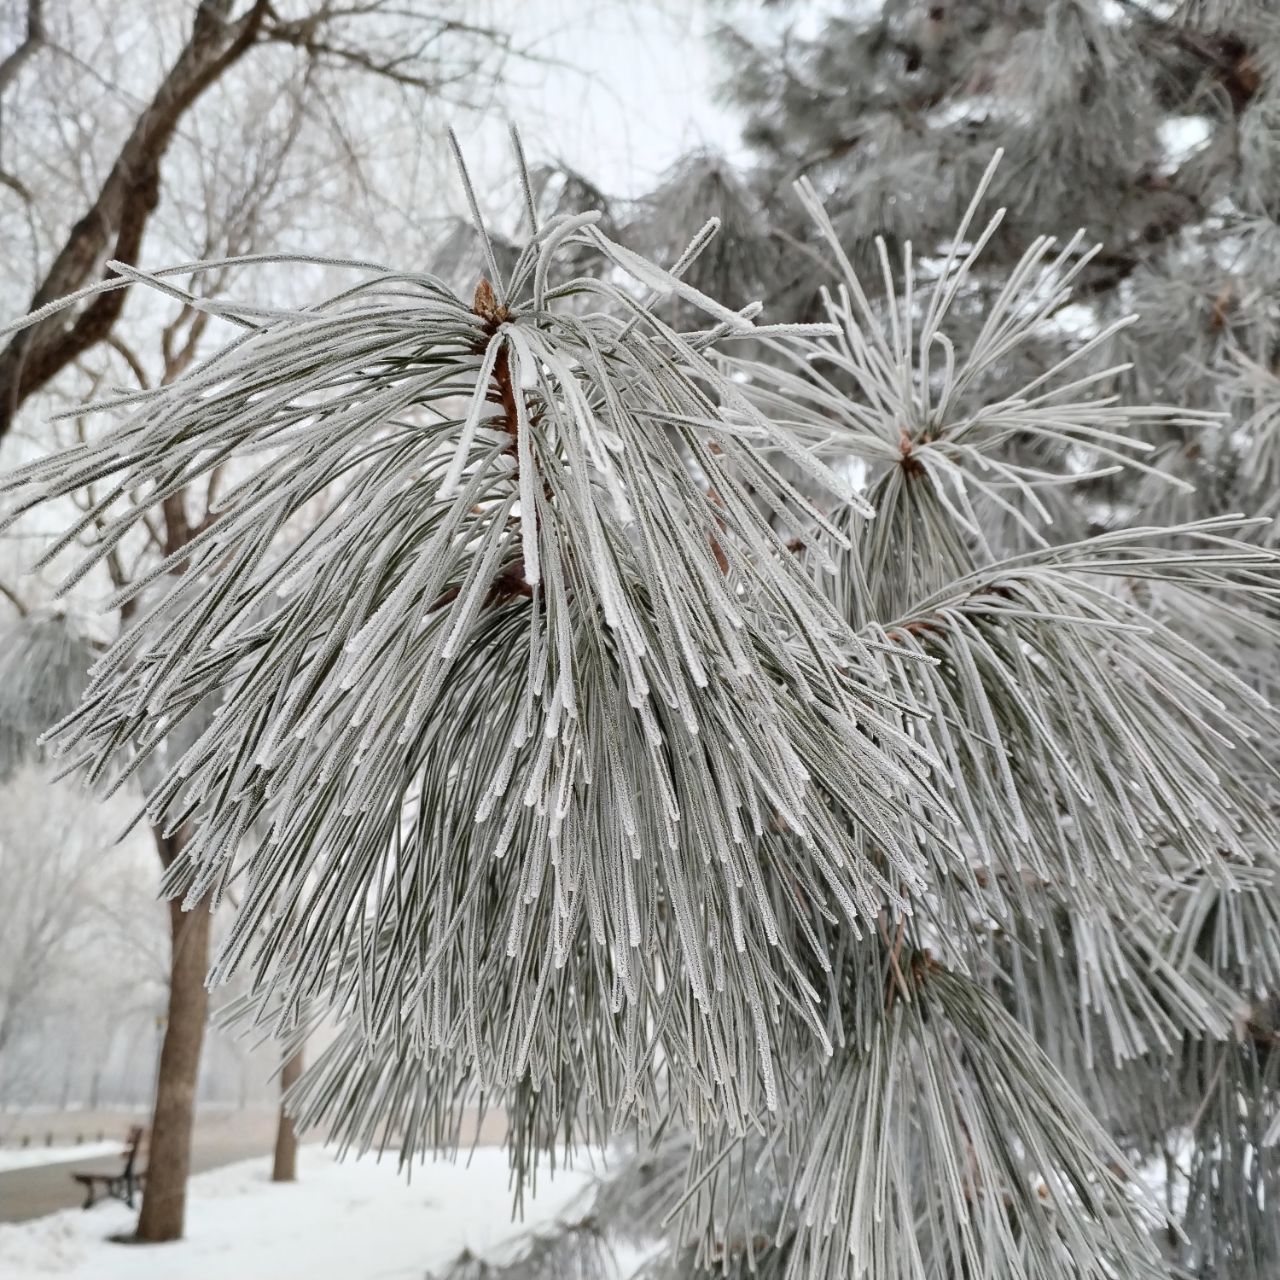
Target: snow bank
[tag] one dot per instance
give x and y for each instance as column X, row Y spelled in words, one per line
column 28, row 1157
column 355, row 1220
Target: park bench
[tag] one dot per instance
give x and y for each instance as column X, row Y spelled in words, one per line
column 116, row 1186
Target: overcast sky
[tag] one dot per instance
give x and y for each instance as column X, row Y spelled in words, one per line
column 629, row 86
column 644, row 88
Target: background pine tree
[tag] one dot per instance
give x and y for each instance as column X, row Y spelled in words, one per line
column 1156, row 126
column 838, row 757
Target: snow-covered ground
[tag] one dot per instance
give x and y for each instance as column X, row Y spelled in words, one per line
column 354, row 1220
column 27, row 1157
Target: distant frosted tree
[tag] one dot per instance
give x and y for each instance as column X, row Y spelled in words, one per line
column 67, row 946
column 652, row 721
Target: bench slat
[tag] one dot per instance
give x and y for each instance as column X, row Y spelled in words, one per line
column 117, row 1186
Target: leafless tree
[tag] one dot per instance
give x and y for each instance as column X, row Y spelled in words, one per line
column 59, row 934
column 432, row 51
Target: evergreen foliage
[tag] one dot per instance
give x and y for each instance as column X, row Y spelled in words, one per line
column 838, row 755
column 43, row 660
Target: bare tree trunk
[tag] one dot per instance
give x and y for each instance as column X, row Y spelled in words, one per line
column 284, row 1168
column 164, row 1196
column 64, row 1098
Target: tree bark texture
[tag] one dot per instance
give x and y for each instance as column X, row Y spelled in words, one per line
column 164, row 1196
column 284, row 1167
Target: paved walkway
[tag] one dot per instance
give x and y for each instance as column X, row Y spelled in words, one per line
column 220, row 1138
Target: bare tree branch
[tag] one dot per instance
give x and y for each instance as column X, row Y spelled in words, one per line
column 9, row 68
column 34, row 38
column 14, row 185
column 117, row 219
column 398, row 44
column 127, row 354
column 14, row 599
